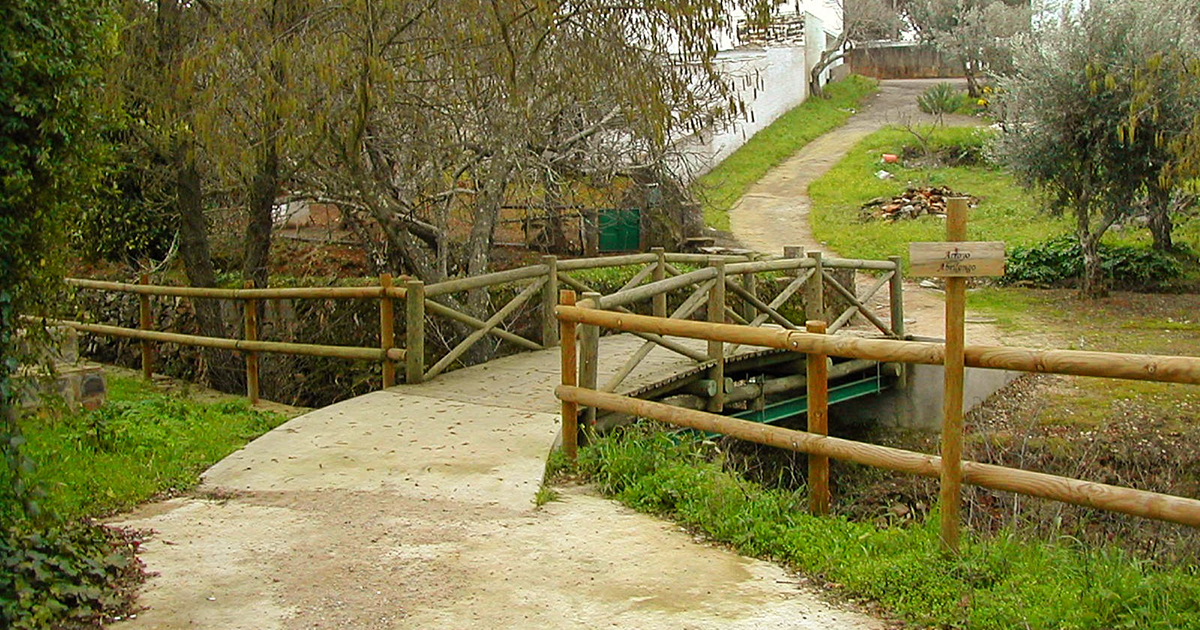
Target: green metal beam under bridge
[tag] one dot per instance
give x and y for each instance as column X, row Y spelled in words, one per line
column 867, row 385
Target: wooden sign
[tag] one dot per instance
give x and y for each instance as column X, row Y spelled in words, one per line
column 964, row 259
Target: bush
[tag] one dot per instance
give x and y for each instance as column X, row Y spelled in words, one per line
column 1058, row 262
column 940, row 99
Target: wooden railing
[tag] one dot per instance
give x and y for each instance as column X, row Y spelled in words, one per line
column 574, row 393
column 387, row 353
column 729, row 287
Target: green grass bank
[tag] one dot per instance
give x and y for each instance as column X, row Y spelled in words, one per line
column 721, row 187
column 144, row 442
column 998, row 582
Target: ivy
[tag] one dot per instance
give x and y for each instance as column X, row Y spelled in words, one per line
column 66, row 576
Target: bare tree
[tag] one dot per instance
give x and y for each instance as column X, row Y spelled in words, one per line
column 861, row 20
column 436, row 120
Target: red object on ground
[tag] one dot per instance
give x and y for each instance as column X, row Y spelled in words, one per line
column 889, row 158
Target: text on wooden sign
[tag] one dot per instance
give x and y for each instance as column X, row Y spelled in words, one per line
column 957, row 260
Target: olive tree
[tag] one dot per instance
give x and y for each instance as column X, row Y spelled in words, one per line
column 1164, row 120
column 976, row 33
column 1066, row 108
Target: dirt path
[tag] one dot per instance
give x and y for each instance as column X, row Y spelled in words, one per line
column 413, row 508
column 775, row 211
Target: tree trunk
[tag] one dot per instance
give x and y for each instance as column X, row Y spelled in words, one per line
column 197, row 263
column 972, row 81
column 258, row 226
column 1160, row 220
column 1092, row 284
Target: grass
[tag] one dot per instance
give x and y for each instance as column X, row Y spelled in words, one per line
column 142, row 443
column 1164, row 324
column 728, row 181
column 1005, row 211
column 1001, row 581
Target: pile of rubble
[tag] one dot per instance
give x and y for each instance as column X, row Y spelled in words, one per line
column 910, row 204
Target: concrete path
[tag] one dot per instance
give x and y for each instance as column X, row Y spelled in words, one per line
column 775, row 211
column 413, row 508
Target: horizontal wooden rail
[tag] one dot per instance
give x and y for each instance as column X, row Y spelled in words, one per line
column 1141, row 503
column 607, row 261
column 485, row 280
column 306, row 349
column 281, row 293
column 646, row 291
column 858, row 263
column 1139, row 367
column 703, row 259
column 759, row 266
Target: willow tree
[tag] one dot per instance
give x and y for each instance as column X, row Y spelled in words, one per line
column 161, row 78
column 255, row 124
column 437, row 117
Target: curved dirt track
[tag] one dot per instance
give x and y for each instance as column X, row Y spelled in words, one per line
column 774, row 212
column 413, row 508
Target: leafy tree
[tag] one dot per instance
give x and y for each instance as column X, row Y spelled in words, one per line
column 51, row 121
column 974, row 32
column 1066, row 114
column 1164, row 117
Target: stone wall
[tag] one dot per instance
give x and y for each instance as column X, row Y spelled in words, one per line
column 901, row 60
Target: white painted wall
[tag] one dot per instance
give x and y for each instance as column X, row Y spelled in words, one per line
column 770, row 80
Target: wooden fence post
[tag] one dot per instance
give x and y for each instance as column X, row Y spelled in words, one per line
column 589, row 357
column 250, row 312
column 570, row 376
column 387, row 328
column 146, row 322
column 818, row 422
column 814, row 291
column 659, row 301
column 750, row 284
column 716, row 349
column 952, row 401
column 549, row 300
column 793, row 251
column 896, row 297
column 414, row 331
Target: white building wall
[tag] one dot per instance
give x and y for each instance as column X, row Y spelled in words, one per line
column 770, row 80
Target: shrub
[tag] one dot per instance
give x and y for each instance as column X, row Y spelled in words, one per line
column 1058, row 262
column 940, row 99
